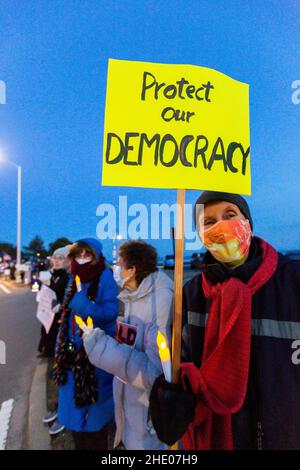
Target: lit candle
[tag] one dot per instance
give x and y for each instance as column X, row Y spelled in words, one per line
column 165, row 356
column 85, row 327
column 35, row 287
column 78, row 283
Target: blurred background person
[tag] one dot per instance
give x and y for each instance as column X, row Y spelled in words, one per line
column 58, row 282
column 60, row 276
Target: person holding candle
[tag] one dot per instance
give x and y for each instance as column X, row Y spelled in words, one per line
column 240, row 377
column 85, row 404
column 133, row 356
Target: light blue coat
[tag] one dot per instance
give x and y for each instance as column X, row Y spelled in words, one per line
column 149, row 309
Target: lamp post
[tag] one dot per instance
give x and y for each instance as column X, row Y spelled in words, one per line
column 18, row 208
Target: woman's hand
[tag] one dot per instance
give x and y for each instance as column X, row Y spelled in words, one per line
column 80, row 303
column 56, row 308
column 87, row 327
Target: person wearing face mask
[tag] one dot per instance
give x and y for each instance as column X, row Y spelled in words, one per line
column 58, row 283
column 60, row 277
column 241, row 323
column 132, row 356
column 85, row 403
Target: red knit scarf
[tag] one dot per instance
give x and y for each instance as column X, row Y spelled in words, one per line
column 88, row 271
column 221, row 382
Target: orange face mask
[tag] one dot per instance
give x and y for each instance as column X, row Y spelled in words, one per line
column 228, row 240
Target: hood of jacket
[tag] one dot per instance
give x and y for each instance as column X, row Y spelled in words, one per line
column 157, row 280
column 93, row 243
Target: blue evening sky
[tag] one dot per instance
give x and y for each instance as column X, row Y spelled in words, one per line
column 53, row 58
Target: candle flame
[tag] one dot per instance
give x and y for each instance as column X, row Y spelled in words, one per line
column 82, row 324
column 163, row 350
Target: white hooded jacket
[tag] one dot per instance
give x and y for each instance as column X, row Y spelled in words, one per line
column 135, row 367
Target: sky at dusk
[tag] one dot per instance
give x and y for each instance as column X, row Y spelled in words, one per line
column 53, row 59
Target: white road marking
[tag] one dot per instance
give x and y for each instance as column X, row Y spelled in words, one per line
column 7, row 291
column 5, row 414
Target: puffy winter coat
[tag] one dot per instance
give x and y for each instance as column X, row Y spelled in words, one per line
column 134, row 359
column 103, row 311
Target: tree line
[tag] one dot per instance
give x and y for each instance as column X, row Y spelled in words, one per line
column 35, row 249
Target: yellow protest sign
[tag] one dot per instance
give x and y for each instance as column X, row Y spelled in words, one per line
column 175, row 126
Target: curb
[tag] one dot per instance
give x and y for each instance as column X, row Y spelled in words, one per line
column 38, row 435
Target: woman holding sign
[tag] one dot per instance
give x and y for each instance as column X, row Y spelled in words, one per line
column 240, row 374
column 133, row 356
column 85, row 404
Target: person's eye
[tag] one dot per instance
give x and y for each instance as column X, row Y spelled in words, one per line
column 208, row 222
column 231, row 214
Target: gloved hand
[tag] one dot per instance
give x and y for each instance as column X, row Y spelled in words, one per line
column 81, row 304
column 172, row 409
column 87, row 327
column 90, row 340
column 56, row 308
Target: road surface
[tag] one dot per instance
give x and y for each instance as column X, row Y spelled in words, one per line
column 19, row 334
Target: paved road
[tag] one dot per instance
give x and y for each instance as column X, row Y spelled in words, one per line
column 19, row 330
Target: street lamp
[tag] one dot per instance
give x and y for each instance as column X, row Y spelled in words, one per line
column 114, row 250
column 4, row 160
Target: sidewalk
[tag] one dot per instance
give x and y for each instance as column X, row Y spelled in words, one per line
column 38, row 436
column 64, row 440
column 43, row 397
column 13, row 283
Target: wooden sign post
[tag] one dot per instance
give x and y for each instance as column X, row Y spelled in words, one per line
column 178, row 285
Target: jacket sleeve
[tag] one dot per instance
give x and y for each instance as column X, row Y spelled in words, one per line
column 290, row 282
column 105, row 308
column 60, row 285
column 137, row 368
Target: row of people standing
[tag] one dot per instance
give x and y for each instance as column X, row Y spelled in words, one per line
column 91, row 397
column 240, row 376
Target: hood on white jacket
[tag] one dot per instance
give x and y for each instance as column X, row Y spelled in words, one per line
column 157, row 280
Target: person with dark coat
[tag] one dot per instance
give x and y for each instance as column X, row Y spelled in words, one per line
column 58, row 283
column 240, row 371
